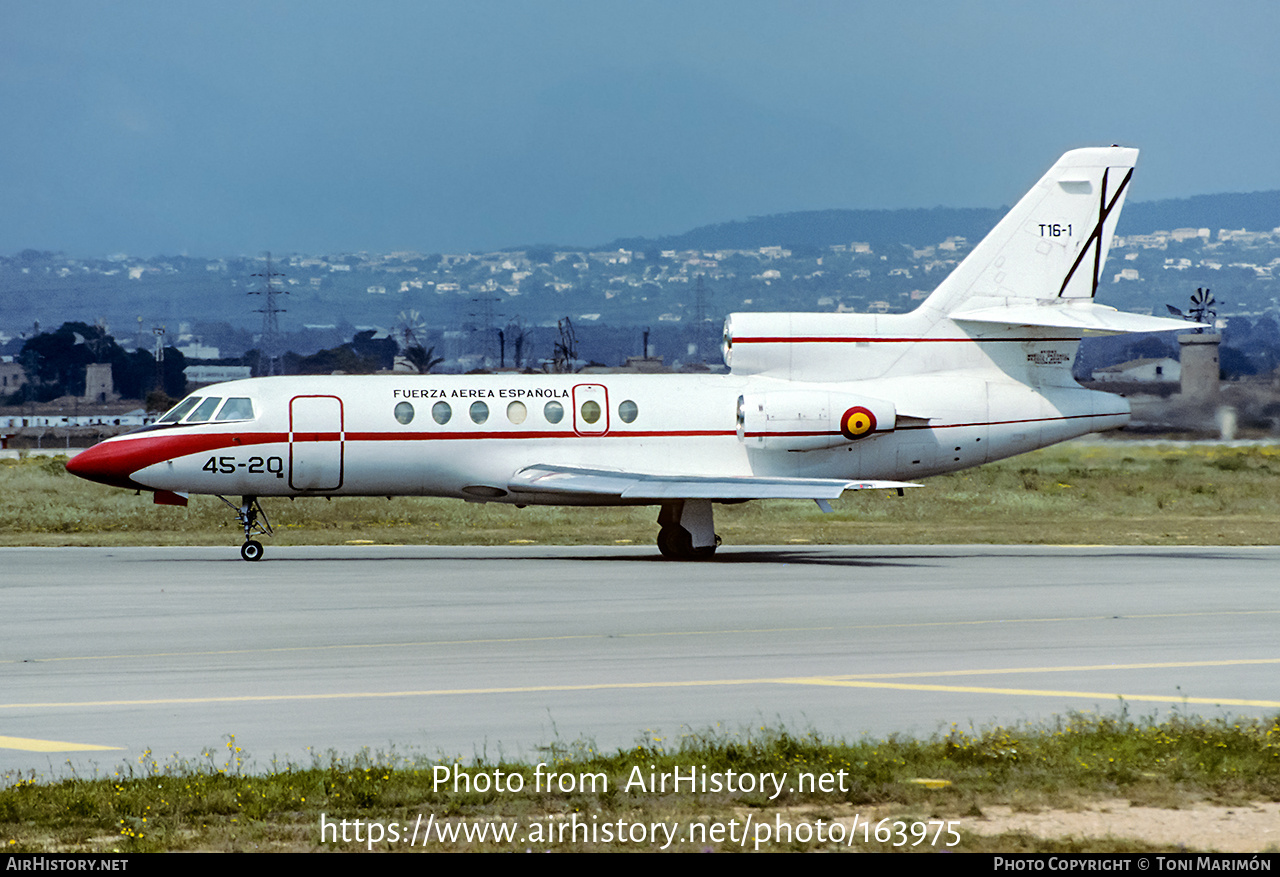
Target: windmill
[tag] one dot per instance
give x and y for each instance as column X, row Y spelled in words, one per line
column 1202, row 302
column 98, row 345
column 411, row 332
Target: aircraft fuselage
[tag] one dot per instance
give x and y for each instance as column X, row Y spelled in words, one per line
column 466, row 436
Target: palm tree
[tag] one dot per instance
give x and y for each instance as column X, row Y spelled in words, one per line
column 421, row 359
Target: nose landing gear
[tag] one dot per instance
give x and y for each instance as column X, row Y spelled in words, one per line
column 248, row 512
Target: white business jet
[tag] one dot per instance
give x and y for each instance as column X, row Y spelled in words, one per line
column 813, row 405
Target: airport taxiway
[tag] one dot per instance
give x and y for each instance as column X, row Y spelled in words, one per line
column 460, row 651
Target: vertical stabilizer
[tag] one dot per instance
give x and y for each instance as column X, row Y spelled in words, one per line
column 1051, row 247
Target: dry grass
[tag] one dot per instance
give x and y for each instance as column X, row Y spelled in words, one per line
column 214, row 804
column 1079, row 493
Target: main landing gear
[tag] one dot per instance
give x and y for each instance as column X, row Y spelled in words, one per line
column 687, row 530
column 248, row 512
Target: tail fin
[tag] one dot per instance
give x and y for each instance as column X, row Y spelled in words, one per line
column 1041, row 264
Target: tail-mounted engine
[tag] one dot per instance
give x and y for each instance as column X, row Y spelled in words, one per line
column 810, row 420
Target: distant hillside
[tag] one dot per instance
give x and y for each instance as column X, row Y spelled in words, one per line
column 823, row 228
column 1257, row 211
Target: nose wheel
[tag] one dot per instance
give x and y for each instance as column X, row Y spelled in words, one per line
column 248, row 513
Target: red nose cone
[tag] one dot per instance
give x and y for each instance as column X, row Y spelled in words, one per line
column 107, row 463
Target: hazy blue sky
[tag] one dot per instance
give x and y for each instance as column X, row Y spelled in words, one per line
column 223, row 127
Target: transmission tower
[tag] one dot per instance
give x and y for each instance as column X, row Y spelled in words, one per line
column 159, row 332
column 268, row 347
column 484, row 318
column 700, row 318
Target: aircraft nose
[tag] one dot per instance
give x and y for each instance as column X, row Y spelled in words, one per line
column 107, row 463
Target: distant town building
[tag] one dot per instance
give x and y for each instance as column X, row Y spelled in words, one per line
column 1200, row 368
column 215, row 374
column 68, row 412
column 1148, row 370
column 12, row 377
column 199, row 351
column 98, row 386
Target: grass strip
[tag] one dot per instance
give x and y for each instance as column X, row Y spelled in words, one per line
column 1080, row 492
column 218, row 801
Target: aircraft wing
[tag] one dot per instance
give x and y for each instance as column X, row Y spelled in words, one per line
column 570, row 480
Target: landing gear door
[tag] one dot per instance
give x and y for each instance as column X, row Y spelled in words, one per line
column 316, row 439
column 590, row 409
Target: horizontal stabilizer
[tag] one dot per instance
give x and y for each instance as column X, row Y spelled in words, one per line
column 634, row 486
column 1086, row 317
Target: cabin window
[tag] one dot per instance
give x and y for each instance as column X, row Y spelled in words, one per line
column 236, row 408
column 479, row 412
column 205, row 411
column 516, row 412
column 404, row 412
column 628, row 411
column 553, row 411
column 590, row 411
column 441, row 412
column 180, row 410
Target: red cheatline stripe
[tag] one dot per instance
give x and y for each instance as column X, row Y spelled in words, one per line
column 845, row 340
column 454, row 436
column 933, row 426
column 113, row 462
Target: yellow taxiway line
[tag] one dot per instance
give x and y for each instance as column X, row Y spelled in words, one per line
column 879, row 681
column 30, row 744
column 906, row 625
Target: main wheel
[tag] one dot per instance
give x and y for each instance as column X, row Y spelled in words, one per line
column 251, row 550
column 675, row 542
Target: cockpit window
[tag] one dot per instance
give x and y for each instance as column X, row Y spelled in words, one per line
column 200, row 409
column 180, row 410
column 205, row 411
column 237, row 408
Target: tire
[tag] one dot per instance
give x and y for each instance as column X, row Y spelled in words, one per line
column 251, row 550
column 675, row 543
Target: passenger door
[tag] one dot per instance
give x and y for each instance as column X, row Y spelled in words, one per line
column 316, row 440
